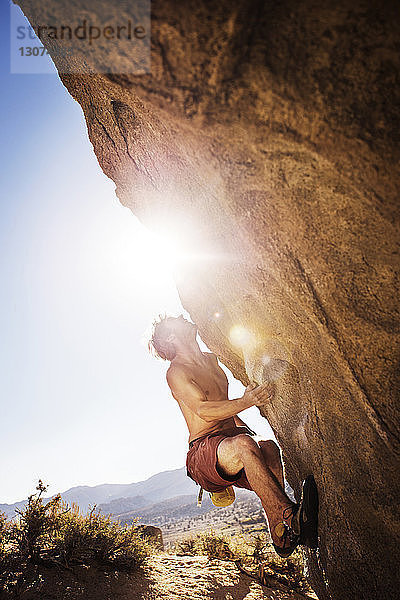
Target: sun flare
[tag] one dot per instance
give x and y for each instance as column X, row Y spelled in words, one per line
column 242, row 337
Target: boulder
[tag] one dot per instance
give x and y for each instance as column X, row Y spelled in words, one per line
column 153, row 534
column 266, row 138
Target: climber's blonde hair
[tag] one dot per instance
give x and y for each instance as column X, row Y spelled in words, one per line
column 157, row 345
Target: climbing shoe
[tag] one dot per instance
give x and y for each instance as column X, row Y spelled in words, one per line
column 290, row 538
column 305, row 520
column 303, row 527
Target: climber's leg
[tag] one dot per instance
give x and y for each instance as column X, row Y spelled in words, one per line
column 273, row 460
column 241, row 451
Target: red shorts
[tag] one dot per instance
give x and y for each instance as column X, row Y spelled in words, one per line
column 201, row 462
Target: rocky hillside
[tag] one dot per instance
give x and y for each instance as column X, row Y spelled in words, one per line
column 180, row 516
column 118, row 498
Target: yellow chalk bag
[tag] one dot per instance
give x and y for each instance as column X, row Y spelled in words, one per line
column 221, row 499
column 224, row 498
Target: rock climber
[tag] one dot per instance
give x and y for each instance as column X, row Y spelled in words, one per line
column 222, row 450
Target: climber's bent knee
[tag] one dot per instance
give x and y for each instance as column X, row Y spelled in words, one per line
column 243, row 444
column 236, row 449
column 232, row 451
column 228, row 458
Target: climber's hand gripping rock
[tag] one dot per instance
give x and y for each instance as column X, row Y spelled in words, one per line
column 260, row 394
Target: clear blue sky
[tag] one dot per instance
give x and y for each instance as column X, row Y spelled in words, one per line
column 82, row 400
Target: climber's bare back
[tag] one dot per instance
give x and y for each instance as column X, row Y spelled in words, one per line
column 212, row 381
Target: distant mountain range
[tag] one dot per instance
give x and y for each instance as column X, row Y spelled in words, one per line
column 123, row 498
column 167, row 500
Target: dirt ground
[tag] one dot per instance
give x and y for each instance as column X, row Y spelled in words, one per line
column 164, row 577
column 198, row 578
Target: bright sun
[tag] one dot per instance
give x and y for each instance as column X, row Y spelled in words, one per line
column 130, row 266
column 133, row 258
column 142, row 256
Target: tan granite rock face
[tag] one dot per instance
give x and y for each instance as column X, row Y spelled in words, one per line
column 267, row 135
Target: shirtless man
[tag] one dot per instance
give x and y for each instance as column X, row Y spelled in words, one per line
column 221, row 449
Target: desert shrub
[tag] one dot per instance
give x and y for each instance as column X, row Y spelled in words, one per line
column 54, row 533
column 211, row 544
column 5, row 554
column 95, row 537
column 4, row 535
column 185, row 547
column 215, row 545
column 11, row 576
column 287, row 571
column 34, row 529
